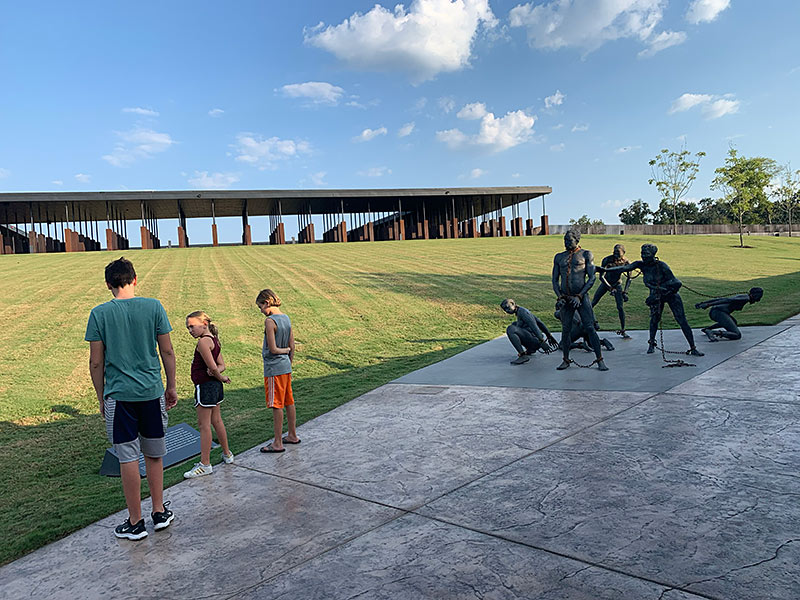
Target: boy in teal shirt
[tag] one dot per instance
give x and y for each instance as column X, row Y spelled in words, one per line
column 126, row 336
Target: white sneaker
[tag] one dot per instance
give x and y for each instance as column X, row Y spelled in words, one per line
column 198, row 470
column 228, row 458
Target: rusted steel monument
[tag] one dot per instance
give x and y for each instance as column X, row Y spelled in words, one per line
column 83, row 221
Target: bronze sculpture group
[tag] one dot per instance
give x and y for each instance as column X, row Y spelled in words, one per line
column 574, row 274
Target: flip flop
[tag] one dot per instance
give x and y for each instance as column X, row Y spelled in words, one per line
column 270, row 450
column 288, row 441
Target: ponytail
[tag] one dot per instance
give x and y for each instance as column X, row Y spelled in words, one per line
column 200, row 314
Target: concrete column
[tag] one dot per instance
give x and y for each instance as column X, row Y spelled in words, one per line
column 248, row 238
column 41, row 243
column 455, row 227
column 502, row 226
column 181, row 237
column 342, row 231
column 33, row 247
column 146, row 243
column 529, row 227
column 310, row 233
column 545, row 226
column 493, row 228
column 281, row 234
column 214, row 239
column 111, row 242
column 401, row 229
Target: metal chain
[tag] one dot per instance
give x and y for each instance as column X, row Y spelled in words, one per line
column 577, row 364
column 707, row 296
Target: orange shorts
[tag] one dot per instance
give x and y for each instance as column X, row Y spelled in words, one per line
column 278, row 390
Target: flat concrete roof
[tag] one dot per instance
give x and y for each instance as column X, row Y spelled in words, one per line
column 51, row 206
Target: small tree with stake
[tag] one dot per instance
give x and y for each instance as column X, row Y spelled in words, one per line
column 673, row 174
column 787, row 193
column 743, row 182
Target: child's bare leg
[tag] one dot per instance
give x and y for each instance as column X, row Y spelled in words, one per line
column 291, row 417
column 219, row 427
column 204, row 422
column 154, row 468
column 277, row 421
column 131, row 487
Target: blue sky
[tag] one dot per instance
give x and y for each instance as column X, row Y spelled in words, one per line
column 574, row 94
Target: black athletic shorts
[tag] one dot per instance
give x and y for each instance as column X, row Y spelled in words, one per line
column 208, row 393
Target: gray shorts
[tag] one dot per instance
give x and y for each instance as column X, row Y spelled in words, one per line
column 134, row 427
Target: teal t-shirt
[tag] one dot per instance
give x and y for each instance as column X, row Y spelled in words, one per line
column 129, row 329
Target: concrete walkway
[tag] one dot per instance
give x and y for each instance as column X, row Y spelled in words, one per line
column 475, row 479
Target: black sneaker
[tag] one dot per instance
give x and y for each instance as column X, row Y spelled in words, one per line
column 131, row 532
column 161, row 520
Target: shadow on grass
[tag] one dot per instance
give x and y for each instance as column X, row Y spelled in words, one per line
column 51, row 484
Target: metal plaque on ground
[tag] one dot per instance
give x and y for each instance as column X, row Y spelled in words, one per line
column 182, row 440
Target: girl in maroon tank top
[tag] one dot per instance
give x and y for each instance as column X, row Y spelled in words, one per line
column 207, row 368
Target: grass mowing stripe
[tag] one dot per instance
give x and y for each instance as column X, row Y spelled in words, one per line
column 364, row 314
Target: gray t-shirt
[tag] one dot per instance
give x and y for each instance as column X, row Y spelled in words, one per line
column 277, row 364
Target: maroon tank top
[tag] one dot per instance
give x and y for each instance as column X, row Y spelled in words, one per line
column 199, row 368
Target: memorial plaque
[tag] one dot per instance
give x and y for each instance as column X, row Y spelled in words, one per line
column 182, row 440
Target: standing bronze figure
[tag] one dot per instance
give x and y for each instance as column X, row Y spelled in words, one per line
column 663, row 286
column 610, row 282
column 573, row 277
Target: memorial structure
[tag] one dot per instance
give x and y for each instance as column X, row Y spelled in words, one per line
column 84, row 221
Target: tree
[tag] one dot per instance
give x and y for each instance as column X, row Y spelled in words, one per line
column 743, row 181
column 673, row 174
column 787, row 193
column 638, row 213
column 713, row 211
column 584, row 223
column 682, row 212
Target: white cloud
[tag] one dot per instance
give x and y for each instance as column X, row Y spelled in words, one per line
column 258, row 152
column 556, row 99
column 215, row 181
column 420, row 104
column 614, row 203
column 558, row 147
column 720, row 108
column 662, row 41
column 4, row 173
column 215, row 112
column 687, row 101
column 711, row 106
column 494, row 134
column 586, row 24
column 447, row 104
column 369, row 134
column 557, row 127
column 476, row 110
column 579, row 127
column 431, row 37
column 318, row 92
column 145, row 112
column 516, row 175
column 705, row 11
column 57, row 182
column 406, row 130
column 625, row 149
column 136, row 144
column 375, row 172
column 318, row 178
column 475, row 173
column 83, row 177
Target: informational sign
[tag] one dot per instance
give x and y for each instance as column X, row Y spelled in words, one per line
column 182, row 440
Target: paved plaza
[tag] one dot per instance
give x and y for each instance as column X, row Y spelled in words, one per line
column 473, row 478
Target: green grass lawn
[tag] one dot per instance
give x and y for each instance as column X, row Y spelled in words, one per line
column 363, row 314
